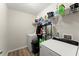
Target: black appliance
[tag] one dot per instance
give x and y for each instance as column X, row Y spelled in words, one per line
column 50, row 14
column 74, row 7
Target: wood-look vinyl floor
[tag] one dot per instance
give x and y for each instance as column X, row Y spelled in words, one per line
column 21, row 52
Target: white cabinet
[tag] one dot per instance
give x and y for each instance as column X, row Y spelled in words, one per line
column 55, row 48
column 78, row 51
column 44, row 51
column 30, row 37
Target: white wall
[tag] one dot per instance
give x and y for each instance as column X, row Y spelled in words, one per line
column 19, row 25
column 70, row 25
column 67, row 25
column 52, row 7
column 3, row 28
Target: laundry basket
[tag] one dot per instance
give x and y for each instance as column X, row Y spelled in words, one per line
column 35, row 47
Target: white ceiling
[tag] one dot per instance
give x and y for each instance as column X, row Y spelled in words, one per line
column 32, row 8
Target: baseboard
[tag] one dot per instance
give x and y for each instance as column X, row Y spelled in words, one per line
column 16, row 49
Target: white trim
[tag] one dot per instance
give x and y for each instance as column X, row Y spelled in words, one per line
column 16, row 49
